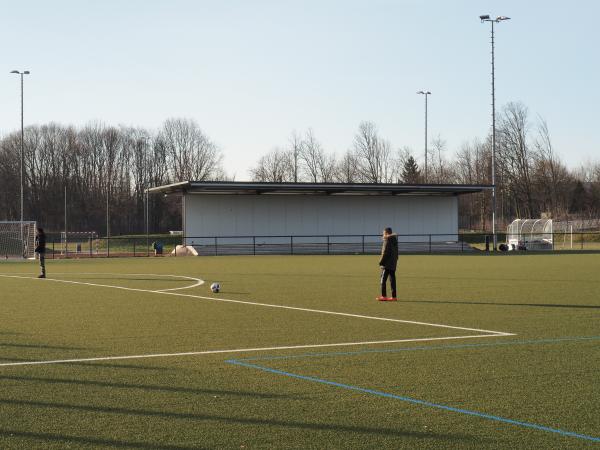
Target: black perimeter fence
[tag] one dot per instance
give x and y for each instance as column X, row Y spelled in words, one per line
column 163, row 245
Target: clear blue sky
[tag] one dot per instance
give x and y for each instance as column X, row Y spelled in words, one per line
column 250, row 72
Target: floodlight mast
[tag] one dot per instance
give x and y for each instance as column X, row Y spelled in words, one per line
column 25, row 72
column 425, row 93
column 486, row 18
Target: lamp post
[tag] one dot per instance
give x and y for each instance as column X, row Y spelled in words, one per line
column 486, row 18
column 425, row 93
column 25, row 72
column 146, row 187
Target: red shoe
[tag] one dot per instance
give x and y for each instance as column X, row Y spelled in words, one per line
column 392, row 299
column 381, row 298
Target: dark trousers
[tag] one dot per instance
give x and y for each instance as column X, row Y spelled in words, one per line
column 385, row 273
column 42, row 263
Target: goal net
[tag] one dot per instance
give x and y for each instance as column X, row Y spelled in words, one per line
column 17, row 239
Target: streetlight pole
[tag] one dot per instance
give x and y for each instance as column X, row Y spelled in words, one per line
column 486, row 18
column 25, row 72
column 146, row 187
column 425, row 93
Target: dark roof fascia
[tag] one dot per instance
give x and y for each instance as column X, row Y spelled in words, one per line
column 241, row 188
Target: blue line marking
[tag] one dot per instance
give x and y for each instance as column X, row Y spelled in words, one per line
column 437, row 347
column 417, row 401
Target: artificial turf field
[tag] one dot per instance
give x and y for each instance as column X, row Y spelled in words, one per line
column 505, row 353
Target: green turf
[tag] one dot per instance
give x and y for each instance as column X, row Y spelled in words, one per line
column 546, row 374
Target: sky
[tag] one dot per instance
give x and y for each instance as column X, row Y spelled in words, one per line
column 252, row 72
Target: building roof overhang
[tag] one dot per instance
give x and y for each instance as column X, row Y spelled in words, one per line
column 355, row 189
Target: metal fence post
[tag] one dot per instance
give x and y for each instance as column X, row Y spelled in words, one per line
column 216, row 251
column 429, row 243
column 254, row 245
column 134, row 247
column 53, row 249
column 363, row 244
column 291, row 245
column 107, row 247
column 328, row 252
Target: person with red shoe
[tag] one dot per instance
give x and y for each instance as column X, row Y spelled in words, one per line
column 388, row 262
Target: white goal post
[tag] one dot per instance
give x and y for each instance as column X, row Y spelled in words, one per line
column 17, row 239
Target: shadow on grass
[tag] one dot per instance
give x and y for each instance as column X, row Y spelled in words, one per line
column 144, row 387
column 240, row 420
column 499, row 280
column 91, row 441
column 101, row 365
column 49, row 347
column 91, row 364
column 538, row 305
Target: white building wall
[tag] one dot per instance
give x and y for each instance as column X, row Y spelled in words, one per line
column 295, row 215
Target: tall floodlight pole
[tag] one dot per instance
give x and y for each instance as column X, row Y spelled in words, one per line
column 425, row 93
column 25, row 72
column 486, row 18
column 146, row 187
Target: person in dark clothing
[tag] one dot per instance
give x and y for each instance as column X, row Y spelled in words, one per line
column 40, row 249
column 388, row 262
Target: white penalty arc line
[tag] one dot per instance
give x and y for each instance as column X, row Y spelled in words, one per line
column 198, row 281
column 237, row 350
column 268, row 305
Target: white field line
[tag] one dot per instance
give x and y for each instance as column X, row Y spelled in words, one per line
column 198, row 281
column 239, row 350
column 268, row 305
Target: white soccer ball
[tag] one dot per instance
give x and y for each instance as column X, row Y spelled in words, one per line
column 215, row 287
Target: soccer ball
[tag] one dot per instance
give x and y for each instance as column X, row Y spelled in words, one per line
column 215, row 287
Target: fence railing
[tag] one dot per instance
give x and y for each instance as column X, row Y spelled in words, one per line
column 303, row 245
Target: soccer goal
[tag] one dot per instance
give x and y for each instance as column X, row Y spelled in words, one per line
column 17, row 239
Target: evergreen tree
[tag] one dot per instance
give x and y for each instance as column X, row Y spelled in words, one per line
column 410, row 171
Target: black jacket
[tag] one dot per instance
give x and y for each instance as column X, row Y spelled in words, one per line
column 40, row 243
column 389, row 252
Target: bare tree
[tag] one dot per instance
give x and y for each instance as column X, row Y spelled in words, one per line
column 515, row 155
column 347, row 169
column 311, row 155
column 191, row 155
column 276, row 166
column 373, row 154
column 551, row 178
column 441, row 169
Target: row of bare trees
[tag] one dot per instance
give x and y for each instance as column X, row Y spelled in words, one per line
column 103, row 171
column 531, row 179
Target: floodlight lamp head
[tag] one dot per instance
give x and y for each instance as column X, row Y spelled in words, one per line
column 501, row 18
column 484, row 17
column 26, row 72
column 15, row 71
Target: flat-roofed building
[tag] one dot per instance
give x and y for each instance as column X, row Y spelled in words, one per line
column 300, row 211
